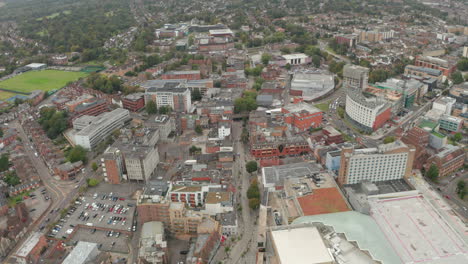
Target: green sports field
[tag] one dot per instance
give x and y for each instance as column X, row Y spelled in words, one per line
column 45, row 80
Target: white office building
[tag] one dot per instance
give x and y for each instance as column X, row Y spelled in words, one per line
column 367, row 114
column 386, row 162
column 100, row 127
column 355, row 76
column 444, row 104
column 140, row 161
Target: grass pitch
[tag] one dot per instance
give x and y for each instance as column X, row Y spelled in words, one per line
column 45, row 80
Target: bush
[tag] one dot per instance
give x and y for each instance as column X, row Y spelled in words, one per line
column 254, row 203
column 94, row 166
column 92, row 182
column 251, row 166
column 389, row 139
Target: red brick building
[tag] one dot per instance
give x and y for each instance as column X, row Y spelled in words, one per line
column 448, row 160
column 445, row 66
column 94, row 107
column 278, row 148
column 382, row 118
column 134, row 102
column 113, row 165
column 332, row 136
column 68, row 169
column 188, row 75
column 301, row 117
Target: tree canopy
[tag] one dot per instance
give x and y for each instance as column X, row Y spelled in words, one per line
column 433, row 173
column 104, row 84
column 76, row 153
column 151, row 107
column 53, row 122
column 251, row 166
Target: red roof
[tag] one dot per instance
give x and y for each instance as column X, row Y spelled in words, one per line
column 201, row 179
column 323, row 201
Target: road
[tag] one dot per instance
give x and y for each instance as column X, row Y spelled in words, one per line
column 60, row 192
column 245, row 249
column 450, row 190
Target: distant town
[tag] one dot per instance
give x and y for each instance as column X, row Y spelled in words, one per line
column 233, row 132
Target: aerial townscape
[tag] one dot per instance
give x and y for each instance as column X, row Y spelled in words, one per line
column 233, row 132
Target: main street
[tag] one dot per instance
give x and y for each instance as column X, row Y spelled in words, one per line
column 244, row 250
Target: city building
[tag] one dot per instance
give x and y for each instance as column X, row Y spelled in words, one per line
column 177, row 75
column 78, row 101
column 134, row 102
column 302, row 245
column 294, row 59
column 311, row 86
column 68, row 170
column 164, row 123
column 465, row 52
column 450, row 123
column 301, row 117
column 30, row 250
column 273, row 178
column 349, row 40
column 82, row 253
column 407, row 91
column 355, row 76
column 448, row 160
column 178, row 99
column 437, row 140
column 218, row 202
column 100, row 127
column 444, row 104
column 423, row 72
column 445, row 66
column 276, row 147
column 367, row 114
column 153, row 245
column 140, row 161
column 192, row 195
column 113, row 165
column 224, row 130
column 92, row 107
column 386, row 162
column 229, row 225
column 460, row 93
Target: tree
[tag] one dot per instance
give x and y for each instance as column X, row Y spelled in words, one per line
column 199, row 130
column 316, row 61
column 94, row 166
column 461, row 189
column 433, row 173
column 194, row 150
column 164, row 110
column 53, row 122
column 254, row 203
column 151, row 107
column 196, row 95
column 251, row 166
column 457, row 77
column 287, row 66
column 389, row 139
column 457, row 137
column 4, row 162
column 11, row 178
column 77, row 153
column 92, row 182
column 462, row 64
column 266, row 57
column 245, row 136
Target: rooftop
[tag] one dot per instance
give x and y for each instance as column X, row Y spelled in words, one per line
column 417, row 232
column 218, row 197
column 29, row 244
column 81, row 253
column 294, row 56
column 323, row 201
column 359, row 228
column 275, row 175
column 299, row 107
column 181, row 188
column 300, row 246
column 150, row 229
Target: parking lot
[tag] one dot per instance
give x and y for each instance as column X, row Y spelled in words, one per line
column 114, row 243
column 97, row 211
column 37, row 203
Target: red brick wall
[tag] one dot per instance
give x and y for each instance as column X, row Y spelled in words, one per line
column 112, row 171
column 381, row 119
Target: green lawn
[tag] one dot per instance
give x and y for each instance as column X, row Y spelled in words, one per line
column 5, row 95
column 46, row 80
column 323, row 106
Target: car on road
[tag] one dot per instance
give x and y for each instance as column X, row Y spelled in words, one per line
column 183, row 252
